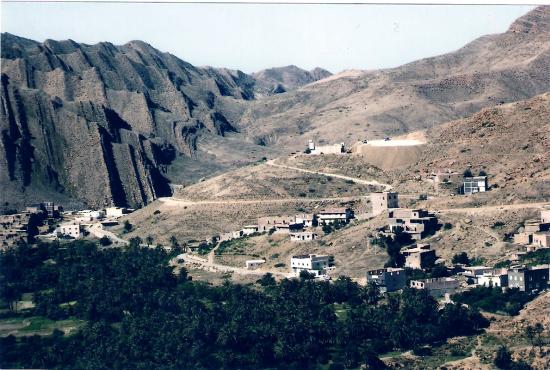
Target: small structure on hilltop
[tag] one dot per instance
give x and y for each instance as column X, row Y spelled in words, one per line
column 383, row 201
column 325, row 149
column 312, row 263
column 303, row 236
column 437, row 287
column 253, row 264
column 388, row 279
column 418, row 223
column 330, row 215
column 474, row 184
column 528, row 279
column 420, row 256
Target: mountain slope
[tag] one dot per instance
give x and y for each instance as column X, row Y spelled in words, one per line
column 125, row 111
column 493, row 69
column 282, row 79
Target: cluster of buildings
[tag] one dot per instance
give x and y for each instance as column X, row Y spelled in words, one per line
column 325, row 149
column 15, row 227
column 79, row 221
column 300, row 227
column 525, row 278
column 466, row 185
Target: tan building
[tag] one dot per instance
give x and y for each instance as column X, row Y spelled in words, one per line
column 304, row 236
column 253, row 264
column 13, row 228
column 437, row 287
column 419, row 256
column 545, row 215
column 416, row 222
column 326, row 149
column 268, row 223
column 330, row 215
column 526, row 236
column 383, row 201
column 307, row 219
column 541, row 239
column 70, row 229
column 446, row 176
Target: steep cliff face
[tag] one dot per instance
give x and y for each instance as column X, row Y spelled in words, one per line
column 101, row 122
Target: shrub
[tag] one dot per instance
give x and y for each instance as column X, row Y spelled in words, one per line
column 462, row 258
column 467, row 173
column 447, row 226
column 105, row 241
column 157, row 212
column 280, row 264
column 503, row 358
column 128, row 226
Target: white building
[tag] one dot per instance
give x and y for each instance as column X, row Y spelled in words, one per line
column 476, row 184
column 253, row 264
column 326, row 149
column 304, row 236
column 115, row 212
column 70, row 229
column 316, row 265
column 307, row 219
column 495, row 278
column 250, row 229
column 330, row 215
column 90, row 215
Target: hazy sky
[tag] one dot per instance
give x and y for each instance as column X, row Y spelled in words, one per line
column 251, row 37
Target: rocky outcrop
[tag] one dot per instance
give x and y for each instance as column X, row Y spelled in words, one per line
column 282, row 79
column 101, row 122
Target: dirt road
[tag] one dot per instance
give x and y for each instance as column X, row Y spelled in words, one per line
column 487, row 209
column 386, row 187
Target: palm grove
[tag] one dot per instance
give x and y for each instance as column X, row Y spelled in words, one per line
column 140, row 314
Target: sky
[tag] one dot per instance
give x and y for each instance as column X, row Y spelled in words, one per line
column 251, row 37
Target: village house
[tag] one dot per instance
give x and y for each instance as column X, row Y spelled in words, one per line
column 303, row 236
column 116, row 212
column 307, row 219
column 541, row 239
column 446, row 176
column 528, row 279
column 89, row 215
column 253, row 264
column 268, row 223
column 526, row 236
column 74, row 230
column 493, row 278
column 475, row 271
column 326, row 149
column 383, row 201
column 388, row 279
column 475, row 184
column 437, row 287
column 418, row 223
column 250, row 229
column 419, row 256
column 330, row 215
column 314, row 264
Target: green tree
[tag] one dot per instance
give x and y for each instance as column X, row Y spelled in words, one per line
column 503, row 358
column 461, row 258
column 127, row 226
column 149, row 240
column 136, row 241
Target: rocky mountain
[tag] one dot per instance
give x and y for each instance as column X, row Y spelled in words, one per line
column 124, row 111
column 353, row 105
column 282, row 79
column 109, row 124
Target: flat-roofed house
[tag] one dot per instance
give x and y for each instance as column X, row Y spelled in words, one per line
column 437, row 287
column 326, row 149
column 330, row 215
column 74, row 230
column 541, row 239
column 528, row 279
column 388, row 279
column 302, row 236
column 307, row 219
column 420, row 256
column 253, row 264
column 418, row 223
column 494, row 278
column 383, row 201
column 474, row 184
column 312, row 263
column 250, row 229
column 268, row 223
column 545, row 215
